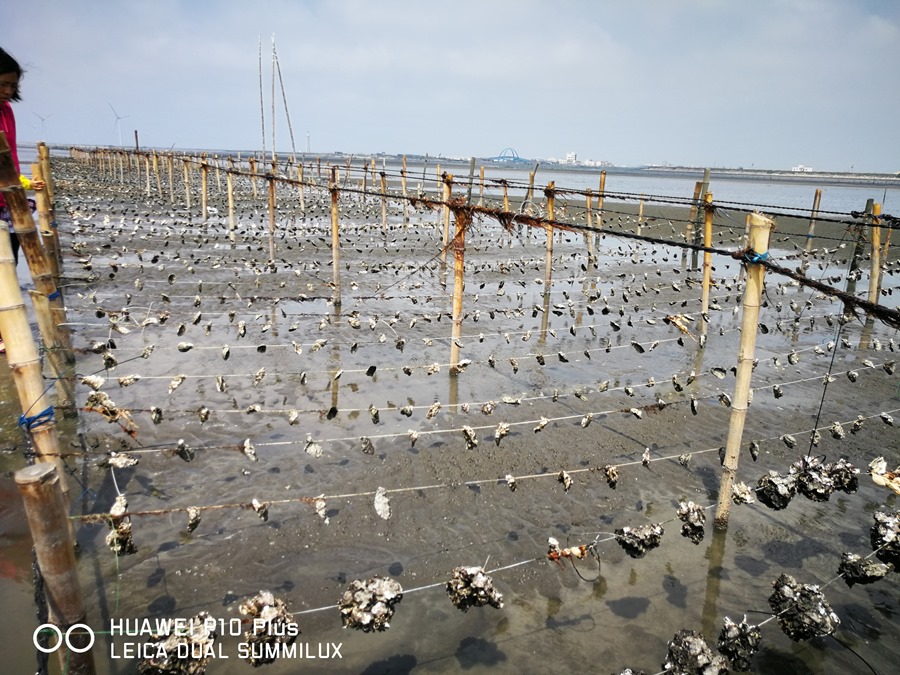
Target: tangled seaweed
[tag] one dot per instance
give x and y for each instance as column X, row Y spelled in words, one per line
column 199, row 637
column 802, row 611
column 637, row 541
column 369, row 605
column 273, row 624
column 471, row 587
column 688, row 653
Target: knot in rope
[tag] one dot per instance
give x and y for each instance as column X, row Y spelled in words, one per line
column 42, row 417
column 752, row 256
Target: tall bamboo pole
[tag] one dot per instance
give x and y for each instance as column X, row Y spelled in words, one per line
column 447, row 180
column 46, row 512
column 47, row 174
column 481, row 185
column 170, row 165
column 875, row 236
column 707, row 263
column 229, row 187
column 218, row 175
column 147, row 173
column 335, row 240
column 760, row 228
column 812, row 228
column 22, row 353
column 302, row 188
column 159, row 191
column 403, row 190
column 462, row 217
column 252, row 161
column 601, row 195
column 271, row 181
column 550, row 193
column 187, row 185
column 505, row 195
column 383, row 202
column 45, row 222
column 204, row 190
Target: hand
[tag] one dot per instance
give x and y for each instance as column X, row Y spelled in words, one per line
column 38, row 185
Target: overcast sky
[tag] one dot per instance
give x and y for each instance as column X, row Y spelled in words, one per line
column 762, row 83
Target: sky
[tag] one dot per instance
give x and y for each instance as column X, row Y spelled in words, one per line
column 766, row 84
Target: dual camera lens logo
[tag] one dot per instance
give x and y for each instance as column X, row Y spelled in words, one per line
column 77, row 629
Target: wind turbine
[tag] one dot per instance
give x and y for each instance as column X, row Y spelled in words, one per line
column 43, row 119
column 117, row 126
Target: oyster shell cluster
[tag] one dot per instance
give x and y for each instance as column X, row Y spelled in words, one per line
column 637, row 541
column 885, row 537
column 858, row 570
column 368, row 605
column 802, row 611
column 471, row 587
column 738, row 642
column 271, row 622
column 775, row 490
column 119, row 539
column 689, row 653
column 200, row 636
column 694, row 518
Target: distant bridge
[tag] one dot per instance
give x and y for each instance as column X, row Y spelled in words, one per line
column 508, row 155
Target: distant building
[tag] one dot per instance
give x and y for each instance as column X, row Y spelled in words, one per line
column 801, row 169
column 571, row 158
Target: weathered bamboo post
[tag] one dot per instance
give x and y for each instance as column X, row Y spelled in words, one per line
column 505, row 195
column 858, row 247
column 745, row 241
column 640, row 218
column 252, row 161
column 601, row 195
column 707, row 265
column 335, row 240
column 47, row 173
column 54, row 548
column 471, row 180
column 481, row 185
column 159, row 192
column 760, row 228
column 530, row 195
column 218, row 175
column 229, row 186
column 462, row 216
column 383, row 202
column 812, row 228
column 147, row 172
column 270, row 178
column 447, row 179
column 187, row 185
column 704, row 187
column 37, row 410
column 170, row 165
column 588, row 234
column 204, row 189
column 45, row 222
column 550, row 194
column 301, row 187
column 403, row 190
column 875, row 237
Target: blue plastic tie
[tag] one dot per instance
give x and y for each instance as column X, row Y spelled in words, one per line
column 753, row 257
column 54, row 295
column 42, row 417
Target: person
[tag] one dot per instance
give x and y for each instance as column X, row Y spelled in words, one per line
column 10, row 75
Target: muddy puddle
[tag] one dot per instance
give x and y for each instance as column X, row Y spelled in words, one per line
column 216, row 350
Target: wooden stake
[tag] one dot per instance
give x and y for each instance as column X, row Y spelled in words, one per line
column 550, row 193
column 448, row 183
column 335, row 240
column 481, row 185
column 159, row 192
column 875, row 236
column 462, row 217
column 707, row 263
column 229, row 187
column 170, row 164
column 383, row 202
column 187, row 186
column 505, row 195
column 46, row 512
column 147, row 173
column 588, row 235
column 812, row 228
column 760, row 228
column 403, row 190
column 204, row 190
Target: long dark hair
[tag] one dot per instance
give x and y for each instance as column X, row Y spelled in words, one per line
column 9, row 65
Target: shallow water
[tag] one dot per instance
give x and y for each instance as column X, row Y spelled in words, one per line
column 451, row 505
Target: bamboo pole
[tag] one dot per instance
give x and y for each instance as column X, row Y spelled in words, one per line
column 589, row 234
column 204, row 190
column 707, row 264
column 229, row 186
column 447, row 180
column 270, row 179
column 58, row 354
column 462, row 217
column 170, row 165
column 302, row 188
column 692, row 217
column 403, row 190
column 760, row 228
column 252, row 161
column 187, row 186
column 159, row 191
column 47, row 176
column 147, row 173
column 601, row 195
column 812, row 228
column 218, row 175
column 335, row 240
column 46, row 512
column 550, row 193
column 505, row 195
column 45, row 222
column 383, row 202
column 530, row 196
column 875, row 237
column 38, row 415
